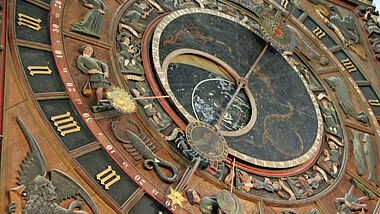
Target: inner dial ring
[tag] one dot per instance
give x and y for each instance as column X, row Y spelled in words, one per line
column 288, row 127
column 163, row 75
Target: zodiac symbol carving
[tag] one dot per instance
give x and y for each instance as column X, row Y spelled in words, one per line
column 138, row 148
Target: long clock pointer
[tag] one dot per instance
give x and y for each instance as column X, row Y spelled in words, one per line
column 278, row 30
column 243, row 81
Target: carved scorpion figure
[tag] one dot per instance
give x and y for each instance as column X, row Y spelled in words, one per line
column 138, row 148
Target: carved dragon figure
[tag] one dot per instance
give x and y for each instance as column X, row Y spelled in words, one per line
column 43, row 195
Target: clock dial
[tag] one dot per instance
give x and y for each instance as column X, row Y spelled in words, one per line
column 206, row 141
column 277, row 33
column 271, row 124
column 302, row 132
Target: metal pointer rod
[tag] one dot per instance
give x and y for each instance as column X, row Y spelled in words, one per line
column 278, row 30
column 189, row 174
column 290, row 13
column 141, row 98
column 243, row 81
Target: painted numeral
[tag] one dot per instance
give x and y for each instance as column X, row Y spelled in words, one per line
column 374, row 102
column 319, row 32
column 106, row 179
column 65, row 124
column 58, row 53
column 110, row 148
column 55, row 28
column 348, row 65
column 284, row 3
column 155, row 192
column 29, row 22
column 39, row 70
column 58, row 4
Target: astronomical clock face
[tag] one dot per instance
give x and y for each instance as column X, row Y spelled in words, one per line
column 268, row 124
column 190, row 106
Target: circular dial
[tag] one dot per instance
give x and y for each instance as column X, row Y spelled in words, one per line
column 285, row 125
column 277, row 33
column 206, row 141
column 254, row 120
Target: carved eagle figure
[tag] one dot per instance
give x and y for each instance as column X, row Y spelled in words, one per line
column 43, row 195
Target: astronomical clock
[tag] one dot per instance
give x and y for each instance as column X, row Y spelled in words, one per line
column 190, row 106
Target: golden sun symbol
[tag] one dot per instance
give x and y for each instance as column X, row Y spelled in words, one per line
column 176, row 197
column 121, row 100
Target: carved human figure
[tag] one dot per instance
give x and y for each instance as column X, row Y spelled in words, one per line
column 224, row 202
column 370, row 13
column 158, row 118
column 276, row 187
column 314, row 181
column 96, row 69
column 139, row 11
column 332, row 158
column 350, row 203
column 329, row 114
column 129, row 57
column 133, row 17
column 193, row 196
column 91, row 24
column 296, row 184
column 248, row 182
column 209, row 205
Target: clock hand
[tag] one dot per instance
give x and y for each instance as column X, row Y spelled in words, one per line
column 243, row 81
column 152, row 97
column 278, row 30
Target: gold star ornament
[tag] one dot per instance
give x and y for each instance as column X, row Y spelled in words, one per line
column 176, row 197
column 121, row 100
